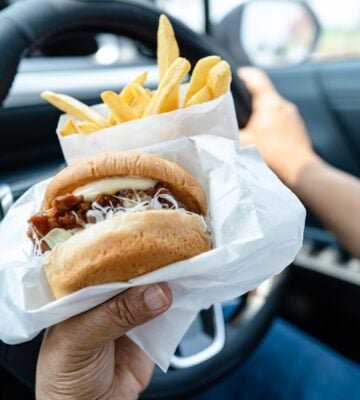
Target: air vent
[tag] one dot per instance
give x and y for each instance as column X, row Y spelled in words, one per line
column 328, row 260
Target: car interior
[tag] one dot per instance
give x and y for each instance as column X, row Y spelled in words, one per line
column 83, row 47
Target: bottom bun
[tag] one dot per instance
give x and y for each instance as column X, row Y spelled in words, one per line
column 125, row 247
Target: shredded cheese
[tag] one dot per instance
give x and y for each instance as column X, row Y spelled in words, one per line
column 98, row 213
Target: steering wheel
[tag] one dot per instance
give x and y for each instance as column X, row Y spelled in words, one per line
column 27, row 23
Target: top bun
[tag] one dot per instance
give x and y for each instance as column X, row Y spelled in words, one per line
column 104, row 165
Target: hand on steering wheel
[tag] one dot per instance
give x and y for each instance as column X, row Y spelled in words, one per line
column 276, row 127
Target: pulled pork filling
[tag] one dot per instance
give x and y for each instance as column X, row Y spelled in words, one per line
column 73, row 212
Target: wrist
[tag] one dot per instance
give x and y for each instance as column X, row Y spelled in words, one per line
column 297, row 166
column 308, row 176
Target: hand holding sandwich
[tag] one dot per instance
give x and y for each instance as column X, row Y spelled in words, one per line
column 110, row 218
column 88, row 356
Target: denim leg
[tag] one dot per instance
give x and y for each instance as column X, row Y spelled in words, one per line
column 290, row 365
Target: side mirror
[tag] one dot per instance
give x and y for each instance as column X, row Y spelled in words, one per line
column 270, row 33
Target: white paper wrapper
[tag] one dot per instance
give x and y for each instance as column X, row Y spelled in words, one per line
column 214, row 117
column 257, row 229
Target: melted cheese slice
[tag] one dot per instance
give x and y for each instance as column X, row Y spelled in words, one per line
column 112, row 185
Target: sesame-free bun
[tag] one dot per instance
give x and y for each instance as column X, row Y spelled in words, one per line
column 104, row 165
column 124, row 247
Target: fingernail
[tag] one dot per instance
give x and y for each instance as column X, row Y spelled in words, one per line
column 155, row 298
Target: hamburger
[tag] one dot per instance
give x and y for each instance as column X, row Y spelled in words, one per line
column 115, row 216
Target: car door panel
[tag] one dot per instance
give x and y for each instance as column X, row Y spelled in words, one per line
column 328, row 118
column 340, row 81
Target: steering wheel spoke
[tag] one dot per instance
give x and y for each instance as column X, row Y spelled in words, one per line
column 6, row 199
column 207, row 329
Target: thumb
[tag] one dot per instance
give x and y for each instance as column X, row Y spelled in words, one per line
column 118, row 315
column 257, row 82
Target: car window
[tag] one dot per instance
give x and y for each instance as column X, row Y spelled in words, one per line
column 190, row 12
column 340, row 33
column 339, row 20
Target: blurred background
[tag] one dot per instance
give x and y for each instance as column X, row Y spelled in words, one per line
column 277, row 22
column 311, row 51
column 277, row 28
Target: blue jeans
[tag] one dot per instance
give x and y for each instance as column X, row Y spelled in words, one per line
column 290, row 365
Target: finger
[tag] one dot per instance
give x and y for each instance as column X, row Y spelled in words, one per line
column 117, row 316
column 245, row 138
column 257, row 82
column 131, row 361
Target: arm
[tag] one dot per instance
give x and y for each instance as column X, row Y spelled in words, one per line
column 279, row 132
column 335, row 197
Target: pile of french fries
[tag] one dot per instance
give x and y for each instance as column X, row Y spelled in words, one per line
column 210, row 79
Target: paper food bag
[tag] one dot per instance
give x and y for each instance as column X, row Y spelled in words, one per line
column 215, row 117
column 256, row 223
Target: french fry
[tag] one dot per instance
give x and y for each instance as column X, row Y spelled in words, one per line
column 126, row 94
column 167, row 53
column 199, row 75
column 142, row 98
column 87, row 127
column 149, row 92
column 119, row 109
column 173, row 77
column 210, row 79
column 137, row 109
column 167, row 47
column 172, row 102
column 202, row 96
column 74, row 107
column 111, row 119
column 219, row 79
column 69, row 128
column 140, row 93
